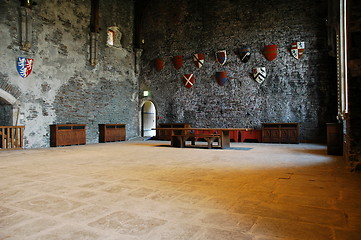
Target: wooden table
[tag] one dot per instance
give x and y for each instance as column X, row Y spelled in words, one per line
column 223, row 134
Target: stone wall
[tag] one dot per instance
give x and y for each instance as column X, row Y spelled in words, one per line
column 294, row 90
column 354, row 52
column 63, row 87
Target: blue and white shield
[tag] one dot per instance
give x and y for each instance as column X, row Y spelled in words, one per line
column 221, row 57
column 259, row 74
column 24, row 66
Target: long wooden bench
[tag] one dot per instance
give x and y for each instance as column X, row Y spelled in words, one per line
column 180, row 135
column 180, row 140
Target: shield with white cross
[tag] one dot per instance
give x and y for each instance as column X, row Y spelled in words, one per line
column 297, row 49
column 188, row 80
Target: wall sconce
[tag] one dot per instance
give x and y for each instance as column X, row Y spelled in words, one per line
column 145, row 93
column 94, row 48
column 26, row 30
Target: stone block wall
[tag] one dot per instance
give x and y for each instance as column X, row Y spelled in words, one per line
column 354, row 55
column 293, row 91
column 63, row 87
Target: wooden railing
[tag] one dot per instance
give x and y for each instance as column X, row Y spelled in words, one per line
column 11, row 137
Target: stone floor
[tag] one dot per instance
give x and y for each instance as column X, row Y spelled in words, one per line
column 148, row 190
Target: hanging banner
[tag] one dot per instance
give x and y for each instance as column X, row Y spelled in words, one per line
column 24, row 66
column 221, row 78
column 221, row 57
column 198, row 59
column 188, row 80
column 259, row 74
column 297, row 49
column 270, row 52
column 158, row 64
column 245, row 54
column 178, row 62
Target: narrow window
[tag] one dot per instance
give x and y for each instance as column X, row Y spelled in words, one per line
column 114, row 37
column 110, row 39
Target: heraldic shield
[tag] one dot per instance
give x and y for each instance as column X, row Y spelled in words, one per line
column 178, row 62
column 158, row 64
column 221, row 78
column 297, row 49
column 188, row 80
column 245, row 54
column 24, row 66
column 270, row 52
column 198, row 59
column 221, row 57
column 259, row 74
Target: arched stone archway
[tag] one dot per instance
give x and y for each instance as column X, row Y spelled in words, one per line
column 9, row 110
column 148, row 118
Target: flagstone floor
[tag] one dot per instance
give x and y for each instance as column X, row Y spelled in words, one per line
column 148, row 190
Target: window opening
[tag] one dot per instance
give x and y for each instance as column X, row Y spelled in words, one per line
column 110, row 40
column 114, row 37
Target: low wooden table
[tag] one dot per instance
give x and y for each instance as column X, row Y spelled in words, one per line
column 224, row 134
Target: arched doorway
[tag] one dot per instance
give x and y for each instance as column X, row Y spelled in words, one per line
column 6, row 113
column 8, row 110
column 149, row 116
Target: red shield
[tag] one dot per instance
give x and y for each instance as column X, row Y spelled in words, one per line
column 270, row 52
column 178, row 62
column 158, row 64
column 188, row 80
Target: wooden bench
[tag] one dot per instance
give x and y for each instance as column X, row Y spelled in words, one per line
column 180, row 140
column 180, row 135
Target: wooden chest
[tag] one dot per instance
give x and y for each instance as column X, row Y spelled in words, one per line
column 112, row 132
column 280, row 132
column 67, row 134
